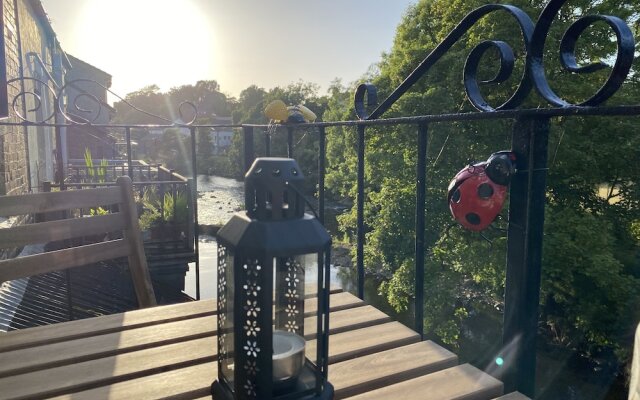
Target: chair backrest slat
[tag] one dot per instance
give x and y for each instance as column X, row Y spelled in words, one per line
column 46, row 232
column 58, row 201
column 126, row 221
column 36, row 264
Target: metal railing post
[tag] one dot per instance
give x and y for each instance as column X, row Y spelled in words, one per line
column 127, row 132
column 59, row 160
column 249, row 153
column 421, row 166
column 524, row 254
column 290, row 142
column 193, row 228
column 194, row 163
column 192, row 187
column 360, row 213
column 322, row 154
column 267, row 144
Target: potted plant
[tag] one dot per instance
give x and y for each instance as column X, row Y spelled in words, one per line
column 164, row 217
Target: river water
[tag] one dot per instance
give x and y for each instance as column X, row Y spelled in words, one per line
column 219, row 198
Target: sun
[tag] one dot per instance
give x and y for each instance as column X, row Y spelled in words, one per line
column 143, row 42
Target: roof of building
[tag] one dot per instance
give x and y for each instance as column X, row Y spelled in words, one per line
column 46, row 299
column 91, row 291
column 78, row 63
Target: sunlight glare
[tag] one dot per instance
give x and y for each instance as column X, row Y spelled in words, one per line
column 162, row 42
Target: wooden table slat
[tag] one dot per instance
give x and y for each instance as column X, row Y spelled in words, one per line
column 104, row 371
column 348, row 319
column 337, row 302
column 69, row 352
column 184, row 383
column 461, row 382
column 388, row 367
column 73, row 351
column 195, row 381
column 139, row 318
column 108, row 370
column 170, row 352
column 346, row 345
column 105, row 324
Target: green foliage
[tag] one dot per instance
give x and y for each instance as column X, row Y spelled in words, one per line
column 204, row 147
column 250, row 109
column 172, row 149
column 591, row 263
column 98, row 211
column 175, row 207
column 206, row 95
column 587, row 292
column 97, row 173
column 169, row 208
column 149, row 218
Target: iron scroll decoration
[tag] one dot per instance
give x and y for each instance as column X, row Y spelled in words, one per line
column 534, row 75
column 84, row 104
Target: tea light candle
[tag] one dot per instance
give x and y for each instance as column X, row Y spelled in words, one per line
column 288, row 355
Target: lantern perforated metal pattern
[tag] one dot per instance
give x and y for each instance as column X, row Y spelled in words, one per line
column 269, row 346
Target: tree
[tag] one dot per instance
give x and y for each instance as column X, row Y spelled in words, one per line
column 464, row 272
column 204, row 150
column 149, row 99
column 250, row 109
column 204, row 95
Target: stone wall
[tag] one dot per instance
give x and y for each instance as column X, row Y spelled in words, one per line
column 23, row 32
column 37, row 38
column 25, row 152
column 13, row 154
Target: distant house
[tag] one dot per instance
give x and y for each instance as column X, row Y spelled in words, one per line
column 221, row 138
column 158, row 132
column 87, row 86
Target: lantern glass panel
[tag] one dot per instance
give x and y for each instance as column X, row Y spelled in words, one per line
column 294, row 323
column 225, row 313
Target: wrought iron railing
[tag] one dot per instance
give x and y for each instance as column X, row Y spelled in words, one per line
column 530, row 133
column 109, row 170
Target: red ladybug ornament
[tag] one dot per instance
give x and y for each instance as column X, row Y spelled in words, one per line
column 475, row 199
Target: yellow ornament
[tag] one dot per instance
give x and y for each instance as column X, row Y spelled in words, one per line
column 276, row 110
column 308, row 115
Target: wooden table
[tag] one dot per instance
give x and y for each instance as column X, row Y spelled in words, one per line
column 170, row 351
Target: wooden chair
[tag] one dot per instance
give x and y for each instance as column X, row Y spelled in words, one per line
column 125, row 221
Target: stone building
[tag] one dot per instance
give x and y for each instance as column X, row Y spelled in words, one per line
column 36, row 65
column 87, row 90
column 31, row 51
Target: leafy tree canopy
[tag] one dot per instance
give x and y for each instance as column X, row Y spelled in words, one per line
column 591, row 249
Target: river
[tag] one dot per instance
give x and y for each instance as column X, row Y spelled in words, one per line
column 560, row 375
column 218, row 199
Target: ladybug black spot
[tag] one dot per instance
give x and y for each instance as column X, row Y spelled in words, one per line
column 456, row 196
column 473, row 218
column 485, row 191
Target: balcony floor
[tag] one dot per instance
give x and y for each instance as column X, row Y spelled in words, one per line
column 170, row 351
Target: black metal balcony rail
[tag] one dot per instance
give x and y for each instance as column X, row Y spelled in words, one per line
column 530, row 133
column 79, row 172
column 529, row 141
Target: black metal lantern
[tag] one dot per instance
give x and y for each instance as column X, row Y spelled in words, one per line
column 268, row 346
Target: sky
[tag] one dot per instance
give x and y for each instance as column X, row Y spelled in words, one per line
column 235, row 42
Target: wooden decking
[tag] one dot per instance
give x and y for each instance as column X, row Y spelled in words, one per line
column 170, row 351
